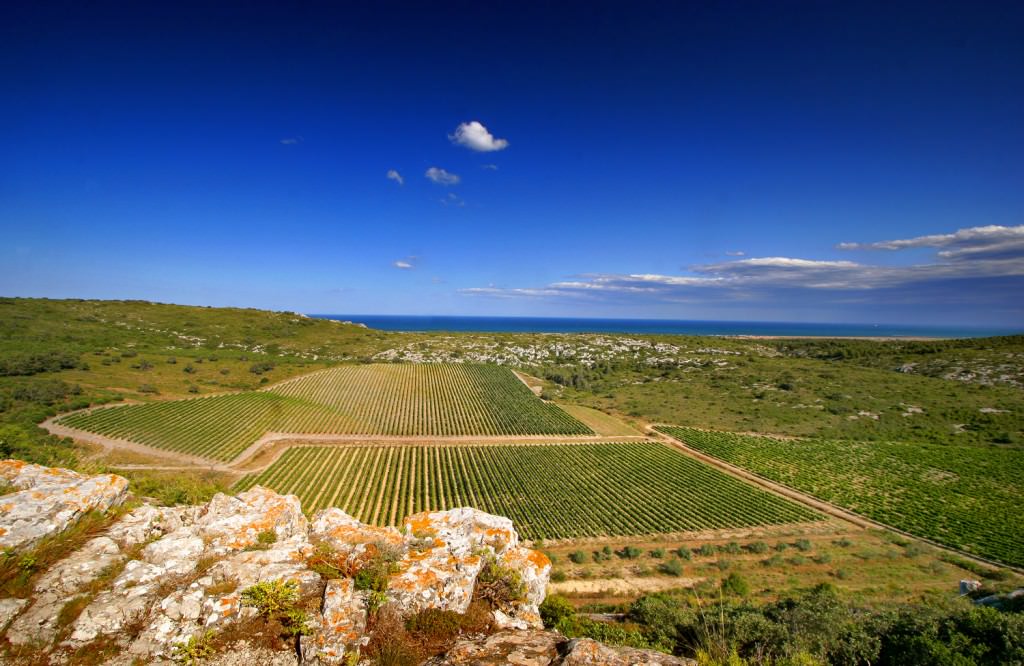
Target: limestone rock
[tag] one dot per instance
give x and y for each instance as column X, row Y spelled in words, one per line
column 50, row 499
column 522, row 648
column 234, row 523
column 10, row 608
column 588, row 652
column 61, row 583
column 343, row 626
column 182, row 571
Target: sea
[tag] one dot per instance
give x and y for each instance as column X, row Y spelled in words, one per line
column 423, row 323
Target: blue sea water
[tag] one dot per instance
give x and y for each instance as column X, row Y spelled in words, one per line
column 653, row 326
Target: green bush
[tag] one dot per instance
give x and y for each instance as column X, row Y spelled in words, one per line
column 671, row 568
column 578, row 557
column 736, row 585
column 555, row 609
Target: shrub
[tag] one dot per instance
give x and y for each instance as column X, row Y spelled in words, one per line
column 261, row 367
column 435, row 624
column 373, row 573
column 271, row 597
column 683, row 553
column 498, row 585
column 671, row 568
column 658, row 553
column 732, row 548
column 631, row 552
column 194, row 650
column 723, row 564
column 558, row 576
column 278, row 600
column 822, row 558
column 735, row 584
column 758, row 547
column 555, row 609
column 578, row 557
column 707, row 550
column 803, row 545
column 188, row 369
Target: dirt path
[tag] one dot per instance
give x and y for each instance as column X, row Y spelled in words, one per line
column 617, row 586
column 109, row 444
column 811, row 501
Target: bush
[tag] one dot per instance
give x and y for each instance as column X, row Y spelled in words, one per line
column 435, row 624
column 498, row 585
column 683, row 553
column 803, row 545
column 578, row 557
column 261, row 367
column 758, row 547
column 631, row 552
column 658, row 553
column 278, row 600
column 671, row 568
column 558, row 576
column 555, row 609
column 736, row 585
column 732, row 548
column 707, row 550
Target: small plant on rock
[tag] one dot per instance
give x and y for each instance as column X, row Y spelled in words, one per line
column 194, row 650
column 498, row 585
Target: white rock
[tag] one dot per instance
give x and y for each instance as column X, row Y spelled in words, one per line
column 50, row 499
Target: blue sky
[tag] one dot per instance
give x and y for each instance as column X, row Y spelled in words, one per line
column 786, row 161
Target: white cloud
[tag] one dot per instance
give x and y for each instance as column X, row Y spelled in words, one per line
column 990, row 256
column 291, row 141
column 453, row 200
column 395, row 176
column 442, row 177
column 405, row 264
column 736, row 253
column 490, row 167
column 973, row 242
column 475, row 136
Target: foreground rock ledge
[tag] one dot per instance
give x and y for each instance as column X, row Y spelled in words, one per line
column 159, row 576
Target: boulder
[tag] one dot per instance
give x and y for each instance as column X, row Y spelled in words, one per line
column 588, row 652
column 50, row 499
column 522, row 648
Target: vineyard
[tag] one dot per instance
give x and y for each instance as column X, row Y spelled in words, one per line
column 384, row 399
column 550, row 491
column 966, row 497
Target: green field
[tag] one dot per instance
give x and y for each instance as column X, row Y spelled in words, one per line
column 967, row 497
column 380, row 399
column 550, row 491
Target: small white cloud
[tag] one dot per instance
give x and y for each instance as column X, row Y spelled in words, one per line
column 442, row 177
column 404, row 264
column 291, row 141
column 490, row 167
column 452, row 200
column 395, row 176
column 736, row 253
column 474, row 135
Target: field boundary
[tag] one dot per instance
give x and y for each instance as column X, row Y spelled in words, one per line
column 810, row 500
column 234, row 466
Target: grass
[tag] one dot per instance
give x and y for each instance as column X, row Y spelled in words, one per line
column 966, row 497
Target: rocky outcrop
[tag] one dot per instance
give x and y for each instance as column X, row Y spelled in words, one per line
column 159, row 578
column 546, row 648
column 49, row 499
